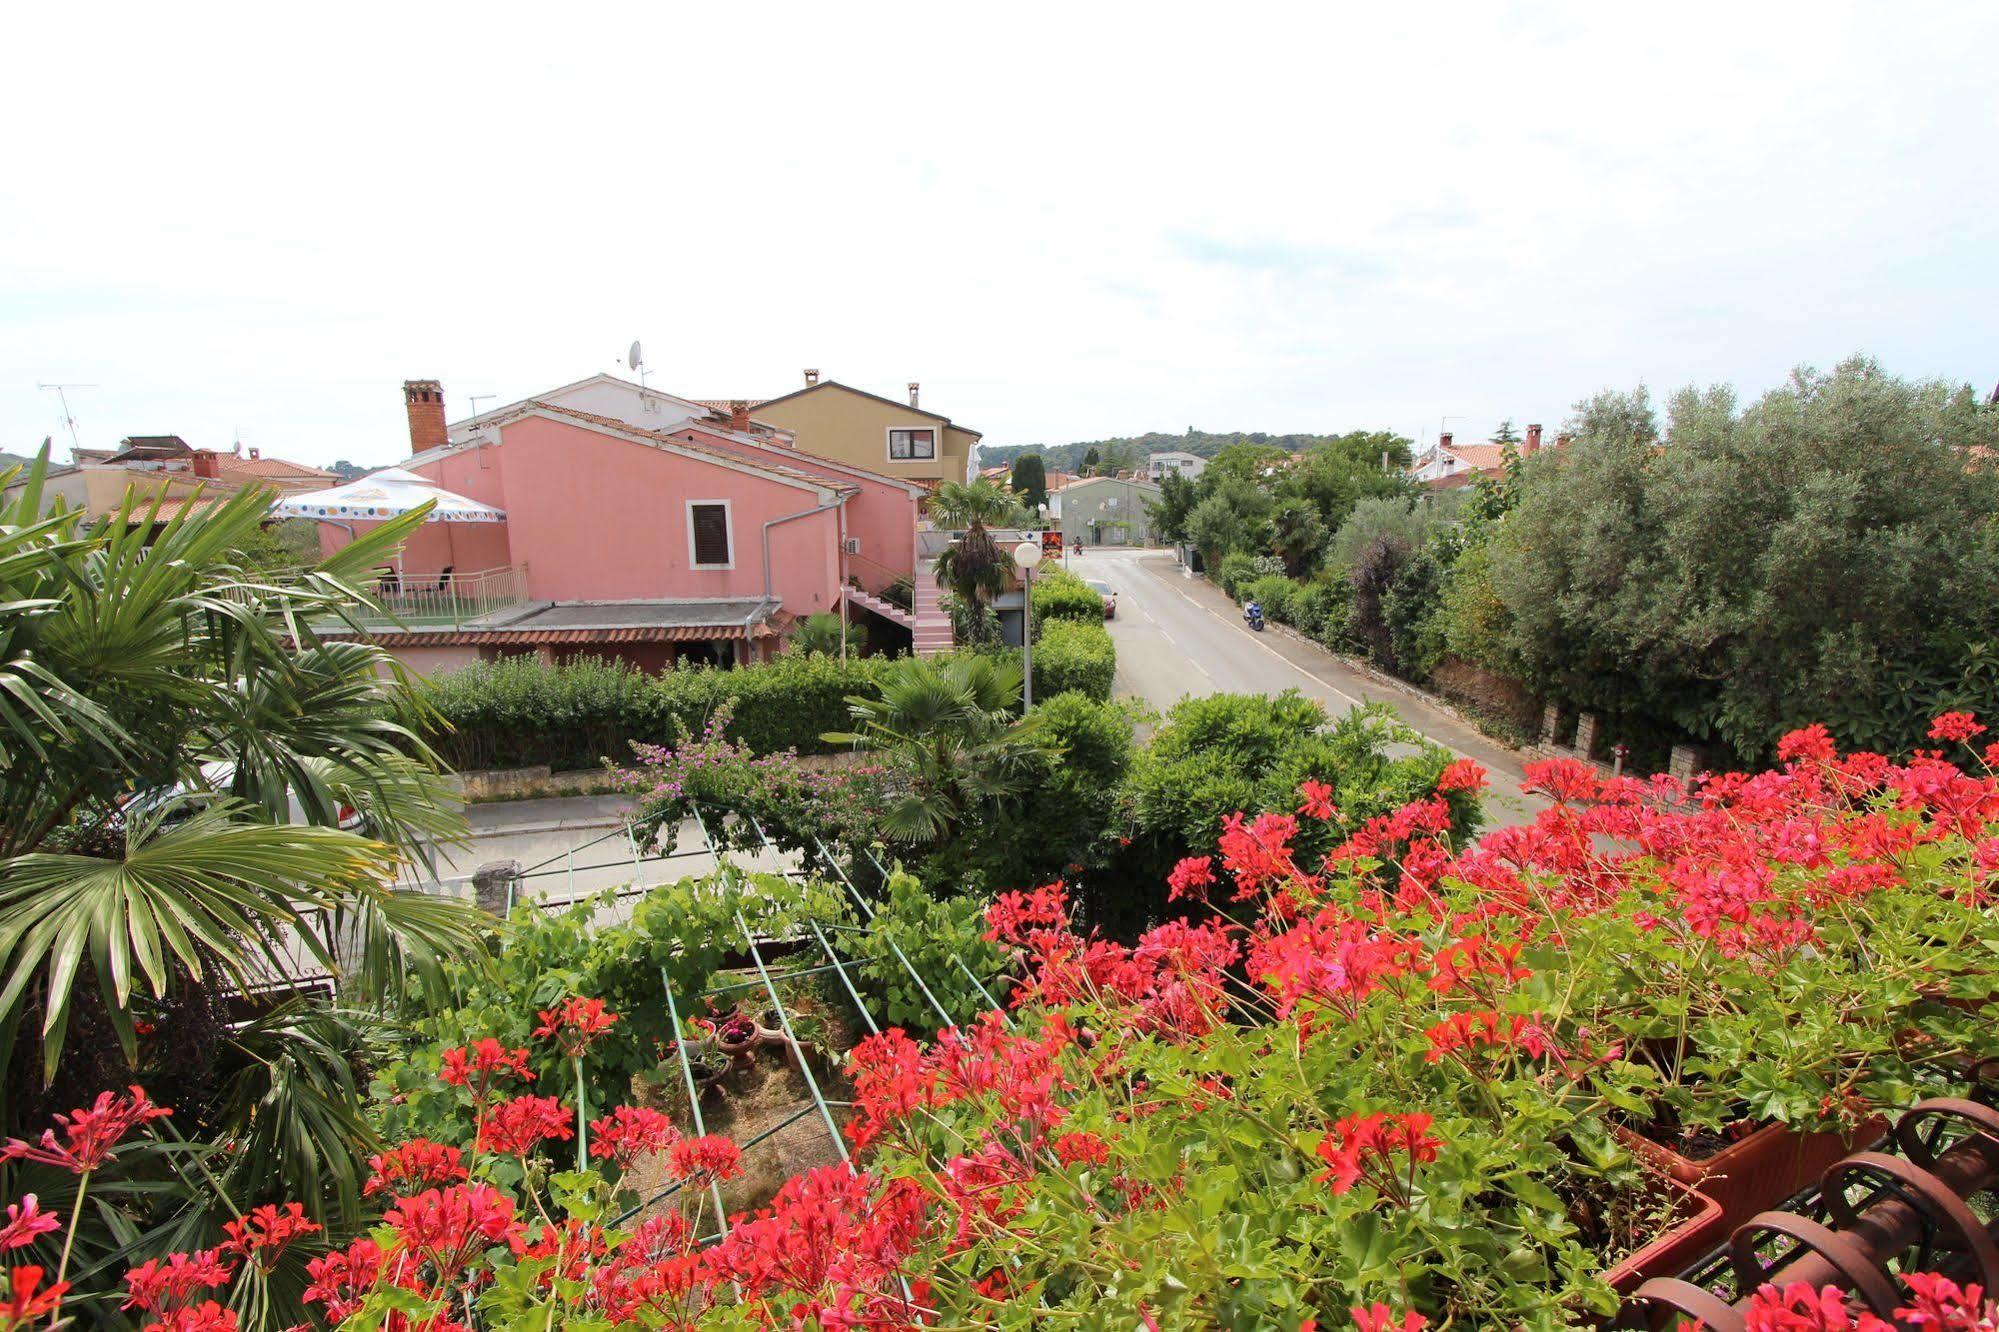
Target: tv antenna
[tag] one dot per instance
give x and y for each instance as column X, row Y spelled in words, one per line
column 62, row 395
column 477, row 398
column 637, row 362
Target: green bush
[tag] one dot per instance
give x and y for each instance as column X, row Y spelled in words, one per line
column 1314, row 605
column 1274, row 592
column 1074, row 654
column 1235, row 571
column 1069, row 814
column 1060, row 595
column 522, row 711
column 1229, row 752
column 933, row 935
column 1410, row 611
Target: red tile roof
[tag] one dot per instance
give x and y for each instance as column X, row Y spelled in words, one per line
column 275, row 469
column 665, row 437
column 1481, row 457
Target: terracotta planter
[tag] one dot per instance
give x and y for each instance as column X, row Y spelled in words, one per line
column 1756, row 1173
column 1700, row 1227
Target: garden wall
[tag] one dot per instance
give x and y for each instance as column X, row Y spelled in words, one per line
column 1486, row 692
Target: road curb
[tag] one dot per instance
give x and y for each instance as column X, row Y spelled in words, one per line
column 547, row 826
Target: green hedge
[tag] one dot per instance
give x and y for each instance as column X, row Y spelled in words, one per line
column 1060, row 595
column 520, row 712
column 1074, row 654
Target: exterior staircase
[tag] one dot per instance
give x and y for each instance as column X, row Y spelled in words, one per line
column 888, row 610
column 932, row 631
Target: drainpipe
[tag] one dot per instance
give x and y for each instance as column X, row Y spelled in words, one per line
column 842, row 515
column 840, row 503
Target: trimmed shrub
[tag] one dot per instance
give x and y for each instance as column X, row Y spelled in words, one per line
column 1074, row 654
column 1060, row 595
column 521, row 711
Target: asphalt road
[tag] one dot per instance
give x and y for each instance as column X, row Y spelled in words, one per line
column 1179, row 637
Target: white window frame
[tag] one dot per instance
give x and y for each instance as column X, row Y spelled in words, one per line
column 888, row 444
column 728, row 525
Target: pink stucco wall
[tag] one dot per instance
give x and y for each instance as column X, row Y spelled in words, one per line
column 881, row 514
column 599, row 518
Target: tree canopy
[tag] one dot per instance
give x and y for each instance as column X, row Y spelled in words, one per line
column 1828, row 553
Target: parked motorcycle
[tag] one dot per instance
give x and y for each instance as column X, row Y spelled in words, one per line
column 1252, row 615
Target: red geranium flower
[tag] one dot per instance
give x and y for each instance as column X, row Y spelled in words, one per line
column 1462, row 775
column 1955, row 726
column 713, row 1155
column 1316, row 799
column 88, row 1135
column 418, row 1163
column 21, row 1302
column 25, row 1221
column 158, row 1284
column 630, row 1132
column 478, row 1064
column 1379, row 1317
column 447, row 1227
column 517, row 1127
column 1191, row 879
column 575, row 1024
column 267, row 1230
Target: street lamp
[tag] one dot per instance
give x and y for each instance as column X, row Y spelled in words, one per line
column 1025, row 556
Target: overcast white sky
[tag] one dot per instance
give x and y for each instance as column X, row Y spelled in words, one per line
column 1067, row 221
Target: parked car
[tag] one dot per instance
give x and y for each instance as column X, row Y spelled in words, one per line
column 1108, row 593
column 185, row 801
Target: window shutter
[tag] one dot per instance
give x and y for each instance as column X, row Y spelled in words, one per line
column 711, row 534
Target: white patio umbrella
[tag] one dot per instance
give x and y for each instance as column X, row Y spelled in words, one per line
column 386, row 494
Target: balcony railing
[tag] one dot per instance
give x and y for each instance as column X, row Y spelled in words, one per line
column 446, row 600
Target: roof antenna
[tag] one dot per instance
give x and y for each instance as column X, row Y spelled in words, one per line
column 637, row 362
column 63, row 395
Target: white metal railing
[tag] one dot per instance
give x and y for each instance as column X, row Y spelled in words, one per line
column 449, row 596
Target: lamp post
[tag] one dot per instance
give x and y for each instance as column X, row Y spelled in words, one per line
column 1025, row 556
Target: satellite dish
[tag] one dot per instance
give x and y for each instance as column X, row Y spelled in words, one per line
column 632, row 357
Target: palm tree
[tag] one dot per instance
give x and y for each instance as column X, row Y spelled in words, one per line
column 824, row 633
column 974, row 567
column 951, row 734
column 162, row 711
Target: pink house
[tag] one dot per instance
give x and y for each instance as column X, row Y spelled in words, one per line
column 697, row 540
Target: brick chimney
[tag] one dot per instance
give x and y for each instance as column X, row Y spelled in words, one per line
column 739, row 416
column 1561, row 441
column 1444, row 440
column 811, row 378
column 1533, row 444
column 913, row 387
column 255, row 453
column 207, row 465
column 424, row 400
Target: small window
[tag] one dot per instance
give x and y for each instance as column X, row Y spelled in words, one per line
column 710, row 524
column 904, row 445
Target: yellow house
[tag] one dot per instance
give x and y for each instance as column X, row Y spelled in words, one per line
column 880, row 434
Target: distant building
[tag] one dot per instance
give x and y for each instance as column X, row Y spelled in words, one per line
column 1105, row 511
column 697, row 538
column 1450, row 465
column 862, row 429
column 1160, row 465
column 167, row 468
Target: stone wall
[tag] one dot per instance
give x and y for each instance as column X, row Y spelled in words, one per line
column 538, row 782
column 1487, row 692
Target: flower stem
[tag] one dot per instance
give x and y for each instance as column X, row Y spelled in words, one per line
column 582, row 1118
